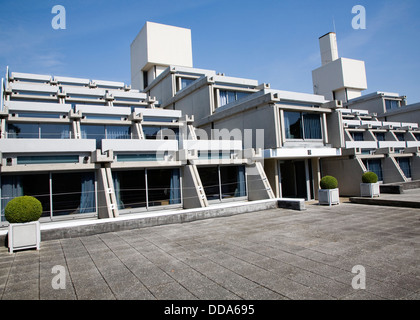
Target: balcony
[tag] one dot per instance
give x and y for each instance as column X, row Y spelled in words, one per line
column 362, row 144
column 47, row 145
column 392, row 144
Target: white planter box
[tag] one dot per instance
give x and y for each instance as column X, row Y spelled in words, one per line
column 329, row 196
column 24, row 236
column 370, row 190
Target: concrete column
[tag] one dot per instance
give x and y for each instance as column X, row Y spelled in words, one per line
column 316, row 175
column 391, row 171
column 192, row 189
column 259, row 187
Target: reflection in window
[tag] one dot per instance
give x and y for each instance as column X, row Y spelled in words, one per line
column 374, row 165
column 223, row 182
column 36, row 131
column 160, row 133
column 226, row 97
column 405, row 166
column 357, row 136
column 163, row 188
column 392, row 104
column 380, row 136
column 300, row 125
column 69, row 193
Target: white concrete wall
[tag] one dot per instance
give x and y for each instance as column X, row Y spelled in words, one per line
column 161, row 45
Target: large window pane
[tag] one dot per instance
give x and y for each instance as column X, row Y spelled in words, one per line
column 130, row 189
column 23, row 130
column 185, row 82
column 55, row 131
column 151, row 132
column 405, row 166
column 374, row 165
column 233, row 182
column 357, row 136
column 38, row 186
column 210, row 179
column 163, row 187
column 118, row 132
column 73, row 193
column 312, row 126
column 93, row 132
column 293, row 125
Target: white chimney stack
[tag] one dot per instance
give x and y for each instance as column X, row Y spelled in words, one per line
column 329, row 49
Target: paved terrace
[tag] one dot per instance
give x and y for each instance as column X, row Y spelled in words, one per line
column 271, row 254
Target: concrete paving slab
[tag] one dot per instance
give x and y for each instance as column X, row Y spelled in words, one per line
column 272, row 255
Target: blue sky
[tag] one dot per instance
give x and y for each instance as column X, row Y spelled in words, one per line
column 271, row 41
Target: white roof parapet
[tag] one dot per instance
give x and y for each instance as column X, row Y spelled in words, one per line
column 111, row 84
column 371, row 124
column 85, row 109
column 235, row 81
column 84, row 91
column 128, row 94
column 298, row 96
column 351, row 123
column 192, row 71
column 158, row 112
column 32, row 87
column 37, row 106
column 65, row 80
column 30, row 76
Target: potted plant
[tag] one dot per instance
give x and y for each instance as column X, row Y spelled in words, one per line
column 329, row 193
column 23, row 214
column 370, row 186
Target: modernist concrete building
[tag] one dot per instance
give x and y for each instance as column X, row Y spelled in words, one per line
column 90, row 148
column 376, row 132
column 304, row 136
column 290, row 127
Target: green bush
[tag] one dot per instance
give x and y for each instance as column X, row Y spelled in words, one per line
column 369, row 177
column 329, row 182
column 23, row 209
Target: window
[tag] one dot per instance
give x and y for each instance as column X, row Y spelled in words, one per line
column 392, row 104
column 405, row 166
column 357, row 136
column 299, row 125
column 226, row 97
column 374, row 165
column 47, row 159
column 400, row 136
column 69, row 193
column 147, row 188
column 380, row 136
column 93, row 132
column 145, row 79
column 160, row 133
column 99, row 132
column 185, row 82
column 38, row 130
column 223, row 182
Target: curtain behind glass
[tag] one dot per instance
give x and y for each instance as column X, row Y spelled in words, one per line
column 118, row 132
column 117, row 190
column 87, row 196
column 312, row 126
column 11, row 188
column 404, row 164
column 175, row 191
column 376, row 167
column 223, row 97
column 241, row 190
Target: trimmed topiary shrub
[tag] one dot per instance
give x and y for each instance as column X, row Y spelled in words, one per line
column 369, row 177
column 23, row 209
column 329, row 182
